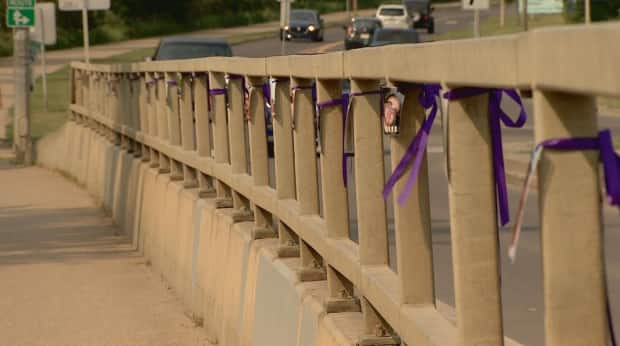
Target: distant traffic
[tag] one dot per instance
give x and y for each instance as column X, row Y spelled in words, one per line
column 392, row 24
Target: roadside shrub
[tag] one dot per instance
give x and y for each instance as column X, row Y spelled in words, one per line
column 6, row 44
column 601, row 10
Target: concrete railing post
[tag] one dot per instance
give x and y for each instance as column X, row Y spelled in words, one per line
column 236, row 122
column 143, row 114
column 284, row 153
column 76, row 86
column 220, row 131
column 306, row 180
column 369, row 174
column 152, row 104
column 473, row 223
column 258, row 132
column 335, row 203
column 571, row 223
column 187, row 114
column 412, row 220
column 161, row 107
column 203, row 134
column 171, row 99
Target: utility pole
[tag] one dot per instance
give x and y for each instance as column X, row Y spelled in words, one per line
column 502, row 13
column 347, row 4
column 85, row 31
column 524, row 16
column 43, row 59
column 476, row 23
column 588, row 14
column 21, row 138
column 354, row 8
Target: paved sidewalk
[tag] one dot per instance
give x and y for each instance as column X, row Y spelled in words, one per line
column 69, row 279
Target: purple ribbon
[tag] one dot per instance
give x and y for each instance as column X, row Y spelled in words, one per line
column 610, row 159
column 496, row 117
column 415, row 152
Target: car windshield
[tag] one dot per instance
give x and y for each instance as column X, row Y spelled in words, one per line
column 400, row 36
column 302, row 16
column 190, row 50
column 365, row 24
column 392, row 12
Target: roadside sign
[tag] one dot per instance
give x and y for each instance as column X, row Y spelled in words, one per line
column 542, row 6
column 78, row 5
column 475, row 4
column 20, row 13
column 45, row 29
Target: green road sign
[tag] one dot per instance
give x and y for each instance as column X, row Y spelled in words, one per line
column 20, row 13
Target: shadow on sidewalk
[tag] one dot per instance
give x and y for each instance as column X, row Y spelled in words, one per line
column 72, row 236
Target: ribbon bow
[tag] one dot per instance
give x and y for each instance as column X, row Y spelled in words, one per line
column 415, row 152
column 496, row 117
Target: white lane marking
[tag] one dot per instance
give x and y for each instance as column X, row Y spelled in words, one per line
column 451, row 22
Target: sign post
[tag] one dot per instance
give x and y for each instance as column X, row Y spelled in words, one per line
column 84, row 6
column 285, row 13
column 44, row 33
column 476, row 6
column 20, row 13
column 20, row 16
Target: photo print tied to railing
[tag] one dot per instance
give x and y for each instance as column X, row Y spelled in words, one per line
column 542, row 61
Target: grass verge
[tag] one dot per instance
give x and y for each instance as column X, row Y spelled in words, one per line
column 45, row 121
column 491, row 27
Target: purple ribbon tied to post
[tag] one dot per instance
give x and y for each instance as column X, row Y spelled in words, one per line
column 496, row 117
column 212, row 92
column 415, row 152
column 611, row 168
column 343, row 102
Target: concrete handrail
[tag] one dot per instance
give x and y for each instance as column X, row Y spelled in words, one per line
column 203, row 143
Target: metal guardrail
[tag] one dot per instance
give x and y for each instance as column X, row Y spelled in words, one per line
column 160, row 110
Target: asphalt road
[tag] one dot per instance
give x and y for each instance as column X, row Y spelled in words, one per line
column 446, row 19
column 522, row 292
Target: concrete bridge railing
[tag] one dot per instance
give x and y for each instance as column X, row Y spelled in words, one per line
column 160, row 111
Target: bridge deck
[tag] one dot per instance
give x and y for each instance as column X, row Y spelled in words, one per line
column 68, row 278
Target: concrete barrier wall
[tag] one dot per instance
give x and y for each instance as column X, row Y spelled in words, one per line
column 242, row 293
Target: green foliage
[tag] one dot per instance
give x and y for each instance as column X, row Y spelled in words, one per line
column 601, row 10
column 144, row 18
column 6, row 44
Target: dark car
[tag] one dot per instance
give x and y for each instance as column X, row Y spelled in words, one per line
column 384, row 37
column 420, row 11
column 175, row 48
column 306, row 24
column 360, row 31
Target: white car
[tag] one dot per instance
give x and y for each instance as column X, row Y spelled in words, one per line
column 394, row 17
